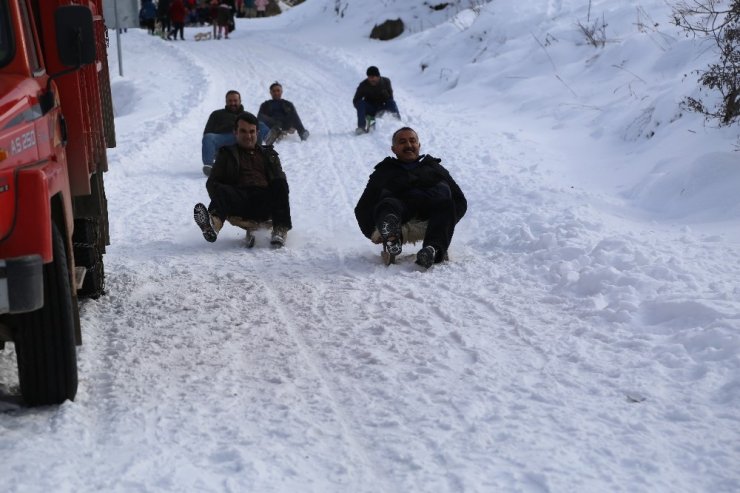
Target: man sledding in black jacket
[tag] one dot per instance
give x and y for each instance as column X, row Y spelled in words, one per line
column 411, row 186
column 280, row 115
column 373, row 96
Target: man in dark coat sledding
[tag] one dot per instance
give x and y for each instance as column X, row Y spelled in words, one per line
column 373, row 97
column 280, row 115
column 411, row 186
column 248, row 182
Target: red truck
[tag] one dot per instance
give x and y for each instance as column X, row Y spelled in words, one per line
column 56, row 124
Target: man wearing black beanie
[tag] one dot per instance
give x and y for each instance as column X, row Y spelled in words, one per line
column 373, row 97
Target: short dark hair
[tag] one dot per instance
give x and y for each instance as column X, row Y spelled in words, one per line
column 246, row 116
column 233, row 91
column 372, row 70
column 393, row 139
column 276, row 83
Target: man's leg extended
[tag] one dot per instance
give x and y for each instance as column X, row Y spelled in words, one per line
column 209, row 224
column 441, row 226
column 390, row 213
column 263, row 131
column 391, row 107
column 364, row 109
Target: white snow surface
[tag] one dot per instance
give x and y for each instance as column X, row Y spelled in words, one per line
column 583, row 337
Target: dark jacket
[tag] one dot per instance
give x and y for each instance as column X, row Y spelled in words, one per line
column 374, row 94
column 163, row 8
column 222, row 121
column 178, row 11
column 223, row 14
column 392, row 179
column 226, row 172
column 282, row 118
column 148, row 11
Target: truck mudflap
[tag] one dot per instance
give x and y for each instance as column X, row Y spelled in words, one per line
column 21, row 284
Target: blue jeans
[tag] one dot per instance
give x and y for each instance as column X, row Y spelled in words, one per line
column 364, row 109
column 263, row 130
column 213, row 142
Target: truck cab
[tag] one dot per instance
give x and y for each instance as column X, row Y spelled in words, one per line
column 56, row 123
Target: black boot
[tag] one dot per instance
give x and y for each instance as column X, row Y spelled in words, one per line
column 426, row 256
column 390, row 231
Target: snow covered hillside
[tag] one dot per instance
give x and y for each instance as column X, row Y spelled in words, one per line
column 584, row 336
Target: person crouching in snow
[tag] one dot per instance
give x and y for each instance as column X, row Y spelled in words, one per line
column 373, row 96
column 280, row 115
column 411, row 186
column 219, row 129
column 247, row 181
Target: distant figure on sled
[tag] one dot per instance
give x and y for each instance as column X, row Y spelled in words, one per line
column 247, row 187
column 373, row 97
column 280, row 115
column 409, row 198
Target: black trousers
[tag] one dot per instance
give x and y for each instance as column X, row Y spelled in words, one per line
column 440, row 212
column 258, row 204
column 166, row 24
column 295, row 122
column 177, row 27
column 291, row 121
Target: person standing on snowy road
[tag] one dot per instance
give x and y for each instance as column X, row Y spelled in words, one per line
column 178, row 12
column 411, row 186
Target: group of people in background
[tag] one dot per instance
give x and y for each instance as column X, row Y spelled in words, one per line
column 169, row 17
column 246, row 181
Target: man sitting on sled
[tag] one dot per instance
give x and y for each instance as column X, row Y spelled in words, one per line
column 247, row 186
column 280, row 115
column 411, row 187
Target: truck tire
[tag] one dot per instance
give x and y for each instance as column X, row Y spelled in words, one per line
column 45, row 339
column 88, row 249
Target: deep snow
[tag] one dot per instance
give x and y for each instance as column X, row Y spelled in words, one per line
column 583, row 337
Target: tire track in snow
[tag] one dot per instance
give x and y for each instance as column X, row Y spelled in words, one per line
column 296, row 161
column 345, row 174
column 371, row 472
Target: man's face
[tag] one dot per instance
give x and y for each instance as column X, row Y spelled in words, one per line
column 373, row 79
column 246, row 135
column 233, row 101
column 406, row 146
column 276, row 92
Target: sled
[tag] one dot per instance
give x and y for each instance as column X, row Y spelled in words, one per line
column 369, row 126
column 250, row 226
